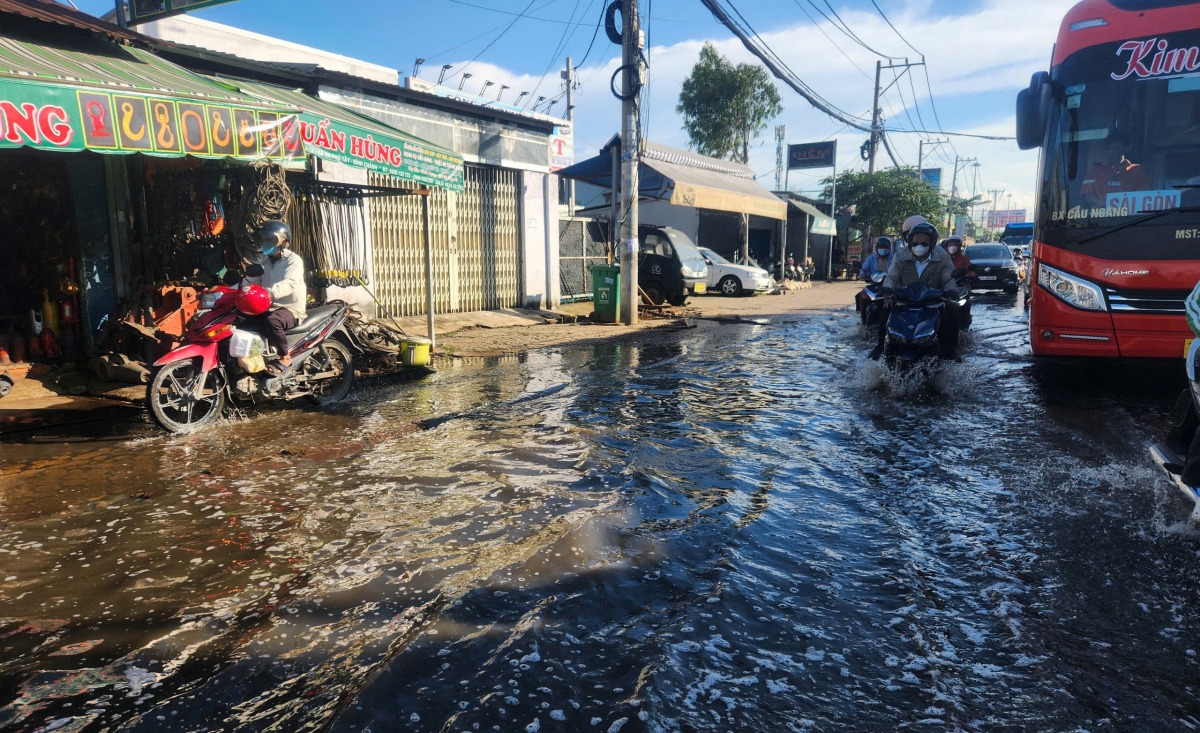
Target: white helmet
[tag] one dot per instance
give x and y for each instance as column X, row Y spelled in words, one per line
column 911, row 222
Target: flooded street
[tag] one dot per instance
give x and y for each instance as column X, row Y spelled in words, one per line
column 738, row 527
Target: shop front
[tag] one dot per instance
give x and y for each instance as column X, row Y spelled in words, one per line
column 127, row 183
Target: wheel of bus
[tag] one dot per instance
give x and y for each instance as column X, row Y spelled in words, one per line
column 334, row 358
column 653, row 292
column 730, row 286
column 183, row 398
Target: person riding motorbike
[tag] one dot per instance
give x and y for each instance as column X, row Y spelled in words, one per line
column 953, row 245
column 875, row 264
column 905, row 228
column 283, row 277
column 926, row 263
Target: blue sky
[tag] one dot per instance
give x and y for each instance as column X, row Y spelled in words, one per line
column 979, row 54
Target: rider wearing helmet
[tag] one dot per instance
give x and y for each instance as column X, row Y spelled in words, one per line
column 927, row 263
column 875, row 264
column 909, row 223
column 283, row 277
column 953, row 246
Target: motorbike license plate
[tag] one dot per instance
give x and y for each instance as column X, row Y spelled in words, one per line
column 987, row 277
column 700, row 288
column 1187, row 346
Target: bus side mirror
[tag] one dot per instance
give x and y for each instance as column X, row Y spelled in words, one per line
column 1033, row 111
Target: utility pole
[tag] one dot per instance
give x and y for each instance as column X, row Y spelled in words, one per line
column 569, row 75
column 780, row 133
column 631, row 43
column 995, row 192
column 866, row 243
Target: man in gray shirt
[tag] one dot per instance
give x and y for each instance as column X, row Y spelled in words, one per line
column 283, row 277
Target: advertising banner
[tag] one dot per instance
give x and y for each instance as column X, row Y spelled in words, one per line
column 343, row 142
column 932, row 176
column 59, row 117
column 812, row 155
column 562, row 147
column 1001, row 219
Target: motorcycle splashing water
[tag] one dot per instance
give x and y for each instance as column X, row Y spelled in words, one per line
column 222, row 361
column 871, row 299
column 912, row 328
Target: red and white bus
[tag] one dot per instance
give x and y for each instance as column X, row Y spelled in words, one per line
column 1117, row 221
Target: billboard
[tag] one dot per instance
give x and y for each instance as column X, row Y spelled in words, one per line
column 144, row 11
column 1001, row 219
column 932, row 176
column 562, row 147
column 812, row 155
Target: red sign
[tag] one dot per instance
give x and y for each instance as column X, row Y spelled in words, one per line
column 1001, row 219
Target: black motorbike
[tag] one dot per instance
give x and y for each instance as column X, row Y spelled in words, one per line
column 913, row 327
column 870, row 300
column 1179, row 454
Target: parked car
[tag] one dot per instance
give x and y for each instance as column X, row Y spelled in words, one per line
column 670, row 268
column 730, row 279
column 994, row 267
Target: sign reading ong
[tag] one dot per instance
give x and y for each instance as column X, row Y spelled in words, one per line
column 812, row 155
column 72, row 119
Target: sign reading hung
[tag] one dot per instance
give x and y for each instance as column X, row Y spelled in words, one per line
column 812, row 155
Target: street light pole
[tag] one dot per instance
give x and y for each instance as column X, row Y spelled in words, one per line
column 630, row 148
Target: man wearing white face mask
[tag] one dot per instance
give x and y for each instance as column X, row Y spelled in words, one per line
column 926, row 263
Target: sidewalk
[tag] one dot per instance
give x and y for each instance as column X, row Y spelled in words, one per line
column 498, row 333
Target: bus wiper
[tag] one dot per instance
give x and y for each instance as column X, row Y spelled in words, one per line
column 1148, row 216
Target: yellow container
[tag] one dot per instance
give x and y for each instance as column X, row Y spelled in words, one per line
column 414, row 352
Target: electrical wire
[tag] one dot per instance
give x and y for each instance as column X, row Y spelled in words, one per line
column 902, row 38
column 851, row 34
column 831, row 41
column 491, row 43
column 567, row 34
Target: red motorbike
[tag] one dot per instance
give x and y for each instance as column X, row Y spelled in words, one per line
column 224, row 356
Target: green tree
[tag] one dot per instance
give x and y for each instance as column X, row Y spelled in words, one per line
column 724, row 106
column 896, row 194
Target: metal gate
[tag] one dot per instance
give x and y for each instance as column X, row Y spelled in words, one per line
column 476, row 247
column 581, row 243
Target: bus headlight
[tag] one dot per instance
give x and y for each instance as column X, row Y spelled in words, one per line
column 1070, row 289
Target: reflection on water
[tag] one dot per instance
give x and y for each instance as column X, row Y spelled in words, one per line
column 741, row 527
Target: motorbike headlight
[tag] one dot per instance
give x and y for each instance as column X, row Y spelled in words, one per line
column 1070, row 289
column 922, row 340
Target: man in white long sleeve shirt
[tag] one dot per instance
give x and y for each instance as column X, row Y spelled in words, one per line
column 283, row 277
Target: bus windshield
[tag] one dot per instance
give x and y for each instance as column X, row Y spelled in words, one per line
column 1124, row 139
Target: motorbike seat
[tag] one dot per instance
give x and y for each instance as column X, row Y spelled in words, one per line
column 312, row 317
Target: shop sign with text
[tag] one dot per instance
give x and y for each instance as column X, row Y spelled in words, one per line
column 72, row 119
column 348, row 144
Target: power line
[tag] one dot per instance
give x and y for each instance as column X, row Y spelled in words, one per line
column 567, row 34
column 902, row 38
column 491, row 43
column 831, row 41
column 852, row 34
column 956, row 134
column 755, row 45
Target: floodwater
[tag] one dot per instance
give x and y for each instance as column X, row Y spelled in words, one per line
column 738, row 527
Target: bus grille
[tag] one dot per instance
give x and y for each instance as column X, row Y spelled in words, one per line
column 1146, row 301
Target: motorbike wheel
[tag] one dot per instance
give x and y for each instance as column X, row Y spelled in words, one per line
column 173, row 400
column 331, row 355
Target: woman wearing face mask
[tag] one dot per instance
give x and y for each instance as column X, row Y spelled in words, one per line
column 953, row 245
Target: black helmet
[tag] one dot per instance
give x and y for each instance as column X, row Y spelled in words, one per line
column 923, row 228
column 273, row 235
column 883, row 242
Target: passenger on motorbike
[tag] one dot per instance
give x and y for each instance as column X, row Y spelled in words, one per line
column 922, row 262
column 876, row 264
column 283, row 277
column 953, row 245
column 960, row 314
column 907, row 227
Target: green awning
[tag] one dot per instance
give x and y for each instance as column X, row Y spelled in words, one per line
column 333, row 132
column 89, row 94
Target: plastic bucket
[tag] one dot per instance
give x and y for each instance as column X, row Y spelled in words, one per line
column 414, row 352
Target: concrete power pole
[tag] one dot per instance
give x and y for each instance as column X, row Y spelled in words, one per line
column 569, row 75
column 866, row 243
column 995, row 192
column 780, row 133
column 630, row 149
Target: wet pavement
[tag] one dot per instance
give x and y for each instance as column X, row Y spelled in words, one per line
column 739, row 527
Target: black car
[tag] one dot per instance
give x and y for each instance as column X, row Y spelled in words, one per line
column 994, row 267
column 670, row 267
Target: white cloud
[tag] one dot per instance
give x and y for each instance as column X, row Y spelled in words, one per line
column 986, row 54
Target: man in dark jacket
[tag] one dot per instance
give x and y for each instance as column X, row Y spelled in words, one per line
column 927, row 263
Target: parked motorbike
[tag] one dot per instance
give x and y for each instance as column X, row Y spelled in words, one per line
column 1179, row 454
column 223, row 358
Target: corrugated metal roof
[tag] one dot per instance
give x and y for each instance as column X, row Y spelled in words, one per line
column 688, row 159
column 90, row 62
column 53, row 12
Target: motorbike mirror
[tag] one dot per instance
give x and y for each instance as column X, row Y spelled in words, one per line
column 255, row 270
column 958, row 273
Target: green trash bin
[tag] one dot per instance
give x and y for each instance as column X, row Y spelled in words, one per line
column 606, row 292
